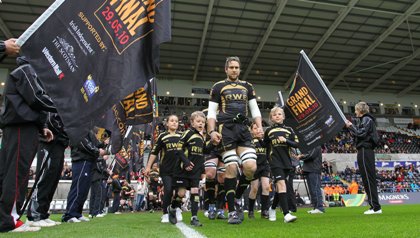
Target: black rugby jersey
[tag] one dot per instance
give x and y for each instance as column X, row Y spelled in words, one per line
column 261, row 152
column 279, row 153
column 232, row 98
column 166, row 144
column 154, row 180
column 191, row 148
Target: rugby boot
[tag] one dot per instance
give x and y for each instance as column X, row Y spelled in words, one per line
column 195, row 221
column 233, row 218
column 172, row 215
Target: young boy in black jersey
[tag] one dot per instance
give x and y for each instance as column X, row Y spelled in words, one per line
column 189, row 170
column 279, row 138
column 262, row 174
column 166, row 146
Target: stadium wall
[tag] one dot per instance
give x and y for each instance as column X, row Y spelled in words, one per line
column 340, row 161
column 183, row 88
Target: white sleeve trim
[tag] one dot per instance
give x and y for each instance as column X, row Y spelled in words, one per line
column 253, row 106
column 212, row 111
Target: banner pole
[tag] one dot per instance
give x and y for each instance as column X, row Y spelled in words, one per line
column 280, row 102
column 38, row 22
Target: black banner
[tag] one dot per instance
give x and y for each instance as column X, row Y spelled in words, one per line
column 91, row 54
column 135, row 109
column 310, row 109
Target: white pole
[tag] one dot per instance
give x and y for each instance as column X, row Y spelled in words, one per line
column 28, row 33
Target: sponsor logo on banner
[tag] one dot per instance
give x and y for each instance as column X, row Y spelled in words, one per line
column 89, row 88
column 67, row 52
column 80, row 39
column 53, row 63
column 127, row 21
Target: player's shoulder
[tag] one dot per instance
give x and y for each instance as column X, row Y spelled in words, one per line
column 288, row 128
column 188, row 132
column 219, row 83
column 163, row 134
column 246, row 83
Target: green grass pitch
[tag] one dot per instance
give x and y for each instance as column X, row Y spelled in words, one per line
column 396, row 221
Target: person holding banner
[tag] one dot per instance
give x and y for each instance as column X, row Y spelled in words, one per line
column 50, row 160
column 366, row 139
column 21, row 122
column 232, row 97
column 279, row 139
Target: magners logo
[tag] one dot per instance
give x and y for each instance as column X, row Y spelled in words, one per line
column 302, row 102
column 127, row 21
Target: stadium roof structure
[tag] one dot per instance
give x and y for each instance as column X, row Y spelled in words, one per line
column 356, row 45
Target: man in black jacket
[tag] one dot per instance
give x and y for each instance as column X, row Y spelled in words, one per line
column 21, row 123
column 98, row 187
column 312, row 164
column 51, row 156
column 366, row 138
column 83, row 156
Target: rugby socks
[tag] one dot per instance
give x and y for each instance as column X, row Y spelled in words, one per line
column 194, row 199
column 275, row 201
column 283, row 202
column 221, row 193
column 176, row 202
column 230, row 185
column 206, row 200
column 251, row 204
column 151, row 207
column 242, row 186
column 265, row 199
column 210, row 188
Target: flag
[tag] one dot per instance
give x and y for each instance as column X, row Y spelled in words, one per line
column 121, row 162
column 91, row 54
column 135, row 109
column 310, row 108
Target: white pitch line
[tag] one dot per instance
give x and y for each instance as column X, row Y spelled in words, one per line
column 188, row 232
